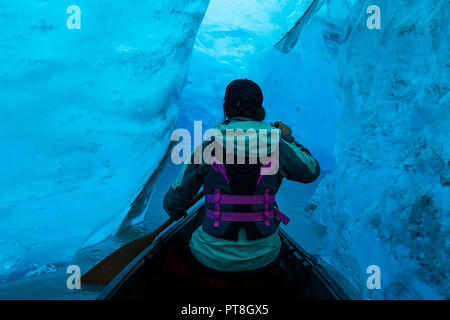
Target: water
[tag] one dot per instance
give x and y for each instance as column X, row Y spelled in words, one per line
column 52, row 285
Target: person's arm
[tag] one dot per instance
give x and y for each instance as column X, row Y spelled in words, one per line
column 183, row 190
column 296, row 162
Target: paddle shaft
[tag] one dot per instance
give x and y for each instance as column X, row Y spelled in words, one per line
column 169, row 221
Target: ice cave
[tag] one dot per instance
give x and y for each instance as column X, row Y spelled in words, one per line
column 90, row 95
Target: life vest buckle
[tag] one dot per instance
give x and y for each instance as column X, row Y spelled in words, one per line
column 266, row 207
column 217, row 208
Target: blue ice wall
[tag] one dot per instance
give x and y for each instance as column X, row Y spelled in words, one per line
column 372, row 105
column 85, row 115
column 229, row 45
column 298, row 74
column 243, row 40
column 387, row 203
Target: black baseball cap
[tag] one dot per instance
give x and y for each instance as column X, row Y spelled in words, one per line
column 240, row 88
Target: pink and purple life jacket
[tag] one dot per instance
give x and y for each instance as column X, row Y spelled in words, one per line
column 238, row 196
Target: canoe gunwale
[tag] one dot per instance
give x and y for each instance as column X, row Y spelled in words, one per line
column 318, row 270
column 115, row 284
column 139, row 263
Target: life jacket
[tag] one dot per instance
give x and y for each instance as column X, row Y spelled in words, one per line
column 238, row 196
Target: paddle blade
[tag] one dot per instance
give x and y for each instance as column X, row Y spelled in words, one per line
column 103, row 272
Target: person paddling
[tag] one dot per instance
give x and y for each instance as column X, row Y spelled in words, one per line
column 239, row 231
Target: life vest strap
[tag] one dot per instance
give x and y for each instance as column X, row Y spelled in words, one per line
column 264, row 167
column 240, row 199
column 217, row 215
column 220, row 168
column 247, row 216
column 284, row 218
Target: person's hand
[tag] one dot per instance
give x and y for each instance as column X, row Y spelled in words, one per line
column 285, row 130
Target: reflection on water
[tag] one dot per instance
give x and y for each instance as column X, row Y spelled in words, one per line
column 51, row 284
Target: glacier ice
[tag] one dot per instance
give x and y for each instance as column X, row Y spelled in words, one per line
column 229, row 42
column 298, row 78
column 84, row 115
column 242, row 40
column 372, row 105
column 387, row 202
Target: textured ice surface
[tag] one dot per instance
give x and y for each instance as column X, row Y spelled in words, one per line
column 240, row 40
column 84, row 115
column 387, row 203
column 386, row 90
column 298, row 77
column 229, row 45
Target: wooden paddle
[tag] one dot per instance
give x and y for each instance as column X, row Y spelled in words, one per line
column 104, row 271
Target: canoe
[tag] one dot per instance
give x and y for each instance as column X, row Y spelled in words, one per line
column 159, row 272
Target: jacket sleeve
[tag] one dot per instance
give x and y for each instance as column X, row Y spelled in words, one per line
column 183, row 190
column 296, row 162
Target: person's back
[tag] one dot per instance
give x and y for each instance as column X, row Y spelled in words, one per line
column 241, row 175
